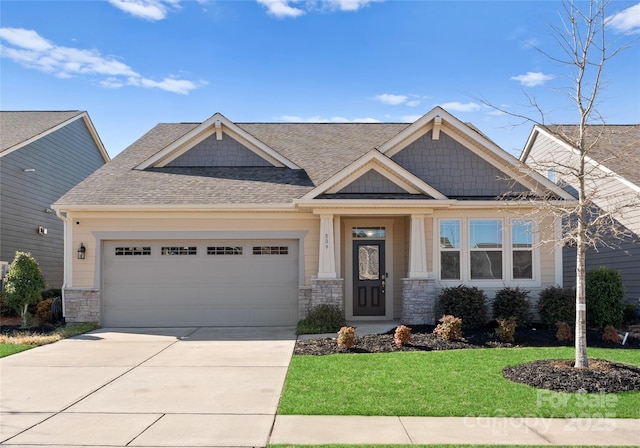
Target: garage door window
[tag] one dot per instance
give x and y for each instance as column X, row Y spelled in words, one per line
column 224, row 250
column 133, row 251
column 270, row 250
column 174, row 250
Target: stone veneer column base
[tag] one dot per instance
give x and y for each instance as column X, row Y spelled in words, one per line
column 329, row 291
column 304, row 301
column 418, row 301
column 82, row 305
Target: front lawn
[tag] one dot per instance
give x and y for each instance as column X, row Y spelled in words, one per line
column 433, row 446
column 454, row 383
column 24, row 340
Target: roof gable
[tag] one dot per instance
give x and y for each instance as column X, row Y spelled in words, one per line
column 206, row 143
column 20, row 128
column 358, row 172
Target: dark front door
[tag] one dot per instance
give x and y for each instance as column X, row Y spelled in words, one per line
column 368, row 278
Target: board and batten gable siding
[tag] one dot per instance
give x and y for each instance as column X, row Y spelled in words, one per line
column 61, row 160
column 453, row 169
column 182, row 225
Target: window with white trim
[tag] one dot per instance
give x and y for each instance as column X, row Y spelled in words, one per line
column 179, row 250
column 485, row 249
column 522, row 249
column 450, row 249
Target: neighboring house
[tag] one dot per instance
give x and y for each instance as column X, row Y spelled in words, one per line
column 223, row 223
column 42, row 155
column 614, row 162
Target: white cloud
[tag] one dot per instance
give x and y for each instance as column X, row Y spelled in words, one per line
column 626, row 21
column 281, row 8
column 393, row 100
column 410, row 118
column 413, row 103
column 31, row 50
column 320, row 119
column 456, row 106
column 347, row 5
column 532, row 79
column 146, row 9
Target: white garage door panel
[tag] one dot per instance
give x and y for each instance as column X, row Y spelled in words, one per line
column 201, row 289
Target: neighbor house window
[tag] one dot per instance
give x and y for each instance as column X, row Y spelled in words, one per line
column 224, row 250
column 270, row 250
column 522, row 249
column 485, row 246
column 175, row 250
column 133, row 251
column 450, row 250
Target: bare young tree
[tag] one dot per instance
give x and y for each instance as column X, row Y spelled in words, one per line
column 598, row 216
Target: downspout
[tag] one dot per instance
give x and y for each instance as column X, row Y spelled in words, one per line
column 66, row 260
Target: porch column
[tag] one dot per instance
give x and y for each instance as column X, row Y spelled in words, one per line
column 327, row 262
column 417, row 248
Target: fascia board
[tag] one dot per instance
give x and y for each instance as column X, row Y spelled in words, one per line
column 70, row 208
column 96, row 137
column 412, row 132
column 378, row 168
column 44, row 134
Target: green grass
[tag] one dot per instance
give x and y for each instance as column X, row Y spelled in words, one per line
column 443, row 383
column 10, row 349
column 10, row 344
column 436, row 446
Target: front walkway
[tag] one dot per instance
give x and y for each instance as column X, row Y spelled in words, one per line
column 146, row 387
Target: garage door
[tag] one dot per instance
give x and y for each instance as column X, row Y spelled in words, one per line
column 200, row 283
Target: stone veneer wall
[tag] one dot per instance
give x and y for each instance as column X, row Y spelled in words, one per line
column 327, row 291
column 304, row 301
column 418, row 301
column 82, row 305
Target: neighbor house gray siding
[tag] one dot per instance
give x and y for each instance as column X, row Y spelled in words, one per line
column 625, row 259
column 61, row 160
column 452, row 169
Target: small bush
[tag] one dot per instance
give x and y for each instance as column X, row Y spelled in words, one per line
column 506, row 330
column 630, row 314
column 402, row 335
column 450, row 328
column 5, row 310
column 23, row 285
column 564, row 333
column 467, row 303
column 605, row 297
column 347, row 337
column 610, row 335
column 43, row 310
column 557, row 305
column 512, row 302
column 51, row 293
column 322, row 319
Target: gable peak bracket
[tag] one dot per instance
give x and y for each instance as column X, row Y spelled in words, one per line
column 218, row 126
column 437, row 124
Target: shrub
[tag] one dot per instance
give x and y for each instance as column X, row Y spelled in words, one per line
column 557, row 304
column 564, row 333
column 630, row 314
column 4, row 308
column 23, row 285
column 450, row 328
column 512, row 302
column 43, row 310
column 322, row 319
column 402, row 335
column 347, row 337
column 610, row 335
column 605, row 297
column 506, row 330
column 51, row 293
column 467, row 303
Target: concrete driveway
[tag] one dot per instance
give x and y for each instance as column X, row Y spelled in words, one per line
column 164, row 387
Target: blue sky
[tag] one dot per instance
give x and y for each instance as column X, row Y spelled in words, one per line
column 135, row 63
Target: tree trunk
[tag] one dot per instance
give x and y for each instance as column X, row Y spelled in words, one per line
column 23, row 316
column 581, row 302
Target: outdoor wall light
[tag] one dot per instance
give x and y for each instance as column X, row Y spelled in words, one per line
column 82, row 252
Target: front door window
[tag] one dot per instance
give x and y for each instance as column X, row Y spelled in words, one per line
column 369, row 278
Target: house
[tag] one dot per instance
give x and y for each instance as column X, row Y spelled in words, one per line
column 614, row 163
column 42, row 155
column 224, row 223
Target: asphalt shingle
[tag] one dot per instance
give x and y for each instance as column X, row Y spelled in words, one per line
column 19, row 126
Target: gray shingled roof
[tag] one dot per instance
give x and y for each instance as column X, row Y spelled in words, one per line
column 19, row 126
column 320, row 149
column 617, row 147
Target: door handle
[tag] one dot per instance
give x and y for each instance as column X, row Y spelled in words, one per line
column 382, row 286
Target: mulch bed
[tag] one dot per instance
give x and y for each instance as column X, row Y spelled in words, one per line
column 556, row 375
